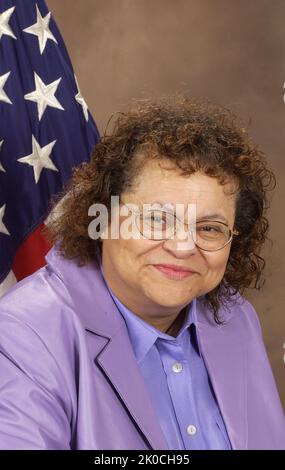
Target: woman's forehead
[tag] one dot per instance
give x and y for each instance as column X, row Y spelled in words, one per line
column 169, row 174
column 157, row 184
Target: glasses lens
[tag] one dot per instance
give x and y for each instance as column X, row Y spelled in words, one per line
column 156, row 224
column 212, row 235
column 160, row 225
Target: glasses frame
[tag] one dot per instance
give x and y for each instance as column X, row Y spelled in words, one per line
column 233, row 232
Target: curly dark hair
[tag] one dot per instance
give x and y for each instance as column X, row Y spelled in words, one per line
column 196, row 136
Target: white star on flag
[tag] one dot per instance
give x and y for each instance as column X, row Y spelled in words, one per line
column 1, row 167
column 3, row 95
column 3, row 228
column 41, row 30
column 79, row 98
column 39, row 158
column 4, row 20
column 43, row 95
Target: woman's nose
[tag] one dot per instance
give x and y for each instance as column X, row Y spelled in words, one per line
column 181, row 244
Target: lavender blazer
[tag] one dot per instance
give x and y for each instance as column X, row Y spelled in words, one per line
column 69, row 378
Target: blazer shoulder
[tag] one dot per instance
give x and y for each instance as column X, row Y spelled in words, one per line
column 38, row 314
column 237, row 312
column 40, row 301
column 39, row 329
column 247, row 314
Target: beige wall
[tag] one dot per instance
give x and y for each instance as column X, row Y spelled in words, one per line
column 232, row 51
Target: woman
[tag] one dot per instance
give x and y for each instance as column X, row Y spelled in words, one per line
column 135, row 335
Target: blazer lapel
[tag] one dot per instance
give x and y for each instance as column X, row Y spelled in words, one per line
column 224, row 351
column 118, row 362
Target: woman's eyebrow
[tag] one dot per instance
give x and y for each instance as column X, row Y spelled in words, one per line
column 211, row 216
column 215, row 216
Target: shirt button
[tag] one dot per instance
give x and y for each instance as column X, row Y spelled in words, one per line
column 191, row 430
column 177, row 367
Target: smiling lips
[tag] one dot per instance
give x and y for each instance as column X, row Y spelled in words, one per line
column 173, row 272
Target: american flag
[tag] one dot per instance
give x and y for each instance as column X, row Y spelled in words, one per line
column 45, row 131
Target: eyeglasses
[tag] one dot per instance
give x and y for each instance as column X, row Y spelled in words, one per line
column 207, row 235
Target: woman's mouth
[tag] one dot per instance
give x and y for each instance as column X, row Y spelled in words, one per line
column 173, row 272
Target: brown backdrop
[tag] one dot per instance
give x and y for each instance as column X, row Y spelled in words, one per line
column 232, row 51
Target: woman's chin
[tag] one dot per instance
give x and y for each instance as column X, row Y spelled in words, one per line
column 170, row 300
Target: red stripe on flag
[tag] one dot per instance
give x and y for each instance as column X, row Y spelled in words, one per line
column 31, row 254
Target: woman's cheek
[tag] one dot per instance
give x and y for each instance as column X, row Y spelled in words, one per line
column 215, row 268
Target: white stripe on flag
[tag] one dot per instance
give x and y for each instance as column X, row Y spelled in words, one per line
column 8, row 282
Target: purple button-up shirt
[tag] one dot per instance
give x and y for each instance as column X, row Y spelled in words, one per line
column 178, row 383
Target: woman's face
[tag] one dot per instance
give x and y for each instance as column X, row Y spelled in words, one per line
column 128, row 264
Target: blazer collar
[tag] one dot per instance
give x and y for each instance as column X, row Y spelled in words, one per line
column 223, row 348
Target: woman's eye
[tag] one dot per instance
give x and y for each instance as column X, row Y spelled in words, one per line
column 209, row 228
column 159, row 219
column 156, row 218
column 153, row 218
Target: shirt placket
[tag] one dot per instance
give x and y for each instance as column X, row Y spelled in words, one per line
column 178, row 376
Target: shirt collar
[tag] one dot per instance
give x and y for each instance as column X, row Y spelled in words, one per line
column 142, row 334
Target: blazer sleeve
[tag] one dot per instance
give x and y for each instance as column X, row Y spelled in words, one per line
column 35, row 411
